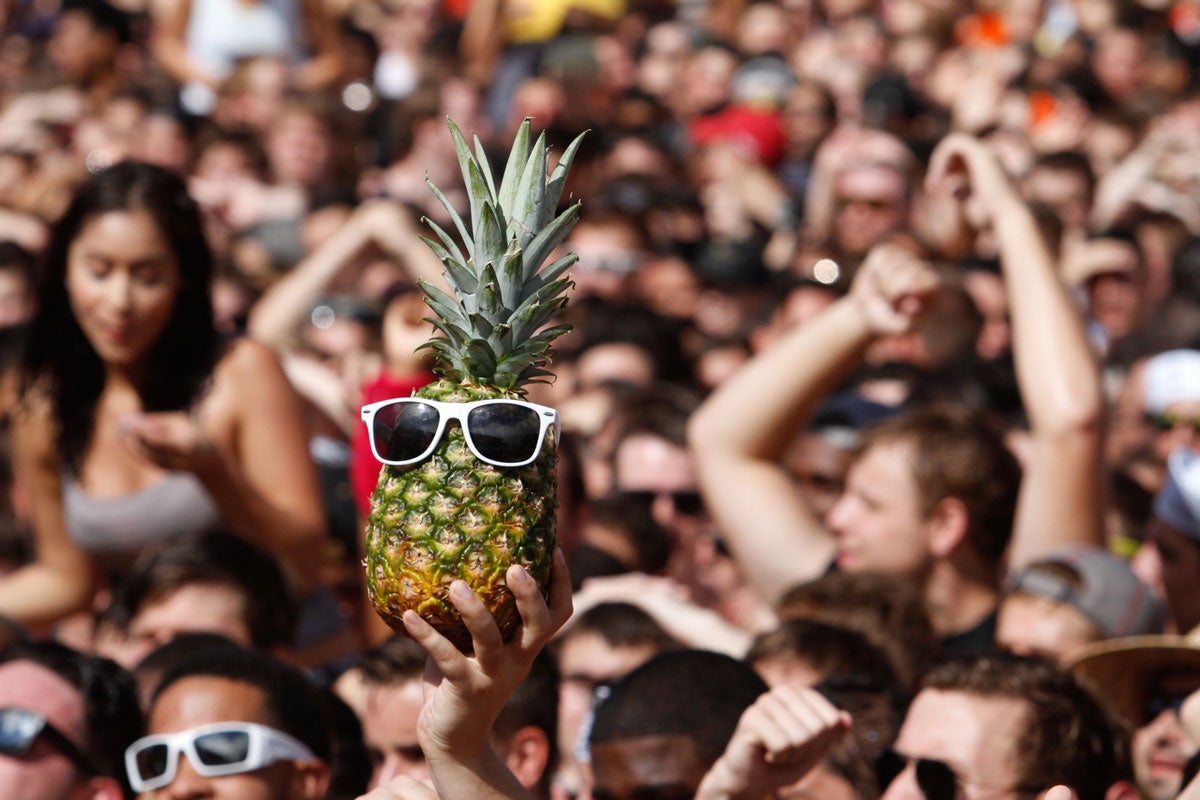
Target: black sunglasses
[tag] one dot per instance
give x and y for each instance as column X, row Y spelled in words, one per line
column 935, row 779
column 20, row 728
column 688, row 503
column 1169, row 422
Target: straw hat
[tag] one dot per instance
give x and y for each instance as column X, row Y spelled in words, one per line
column 1129, row 671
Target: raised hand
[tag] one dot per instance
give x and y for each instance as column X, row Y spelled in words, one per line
column 172, row 440
column 965, row 167
column 464, row 694
column 778, row 740
column 893, row 289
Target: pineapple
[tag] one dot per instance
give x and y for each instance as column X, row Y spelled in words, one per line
column 452, row 515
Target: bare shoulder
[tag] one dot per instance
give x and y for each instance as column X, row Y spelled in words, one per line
column 34, row 427
column 247, row 362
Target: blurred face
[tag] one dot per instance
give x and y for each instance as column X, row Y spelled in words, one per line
column 122, row 283
column 1176, row 427
column 974, row 736
column 1115, row 289
column 649, row 464
column 647, row 768
column 585, row 662
column 298, row 149
column 200, row 700
column 1179, row 568
column 1029, row 625
column 870, row 203
column 43, row 773
column 878, row 521
column 193, row 608
column 77, row 48
column 1160, row 750
column 820, row 468
column 390, row 732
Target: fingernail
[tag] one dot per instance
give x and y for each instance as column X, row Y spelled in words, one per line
column 460, row 591
column 414, row 623
column 517, row 575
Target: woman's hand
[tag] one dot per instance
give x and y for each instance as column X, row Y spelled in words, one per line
column 173, row 440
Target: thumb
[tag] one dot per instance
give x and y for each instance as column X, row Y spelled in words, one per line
column 1061, row 793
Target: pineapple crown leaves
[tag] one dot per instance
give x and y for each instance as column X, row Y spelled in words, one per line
column 495, row 328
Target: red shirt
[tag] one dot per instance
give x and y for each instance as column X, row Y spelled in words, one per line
column 364, row 469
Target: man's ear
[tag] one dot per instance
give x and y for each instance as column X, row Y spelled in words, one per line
column 947, row 525
column 528, row 755
column 310, row 779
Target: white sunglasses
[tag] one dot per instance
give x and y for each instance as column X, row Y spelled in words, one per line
column 214, row 750
column 503, row 433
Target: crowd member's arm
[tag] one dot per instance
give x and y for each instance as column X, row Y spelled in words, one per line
column 60, row 580
column 738, row 436
column 1061, row 496
column 465, row 694
column 778, row 740
column 283, row 307
column 322, row 31
column 168, row 43
column 263, row 481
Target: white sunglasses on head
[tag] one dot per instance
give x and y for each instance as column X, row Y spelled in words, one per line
column 503, row 433
column 214, row 750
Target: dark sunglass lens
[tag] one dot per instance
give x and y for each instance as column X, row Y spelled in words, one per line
column 18, row 729
column 153, row 761
column 688, row 503
column 936, row 780
column 223, row 747
column 403, row 431
column 888, row 765
column 504, row 432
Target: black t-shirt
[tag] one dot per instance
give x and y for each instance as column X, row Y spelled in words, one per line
column 976, row 641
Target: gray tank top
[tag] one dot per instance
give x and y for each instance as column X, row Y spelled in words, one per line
column 120, row 526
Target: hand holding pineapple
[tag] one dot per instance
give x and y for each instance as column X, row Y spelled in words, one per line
column 469, row 489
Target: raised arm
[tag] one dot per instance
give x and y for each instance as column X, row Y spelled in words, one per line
column 60, row 580
column 384, row 223
column 738, row 436
column 778, row 740
column 465, row 694
column 1061, row 496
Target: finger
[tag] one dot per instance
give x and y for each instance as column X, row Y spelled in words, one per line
column 536, row 625
column 560, row 590
column 452, row 663
column 485, row 634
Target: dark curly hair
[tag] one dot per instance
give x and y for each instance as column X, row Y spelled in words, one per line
column 61, row 362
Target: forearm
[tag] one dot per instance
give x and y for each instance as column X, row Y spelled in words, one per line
column 757, row 412
column 283, row 307
column 42, row 593
column 293, row 535
column 484, row 777
column 1056, row 369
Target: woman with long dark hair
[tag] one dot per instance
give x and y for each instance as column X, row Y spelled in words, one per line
column 138, row 423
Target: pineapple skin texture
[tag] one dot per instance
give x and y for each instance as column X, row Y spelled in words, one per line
column 453, row 516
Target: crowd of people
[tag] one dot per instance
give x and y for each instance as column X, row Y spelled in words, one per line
column 879, row 460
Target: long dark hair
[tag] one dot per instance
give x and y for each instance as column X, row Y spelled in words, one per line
column 61, row 361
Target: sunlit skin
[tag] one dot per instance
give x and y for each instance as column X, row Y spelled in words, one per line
column 390, row 732
column 1030, row 625
column 192, row 608
column 44, row 773
column 203, row 699
column 122, row 283
column 974, row 736
column 877, row 520
column 1160, row 750
column 647, row 768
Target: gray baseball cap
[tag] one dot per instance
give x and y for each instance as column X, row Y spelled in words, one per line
column 1108, row 593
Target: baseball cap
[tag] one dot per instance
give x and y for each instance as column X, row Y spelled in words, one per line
column 758, row 133
column 1171, row 377
column 1108, row 592
column 1178, row 501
